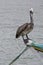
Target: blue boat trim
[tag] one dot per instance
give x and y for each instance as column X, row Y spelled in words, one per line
column 37, row 46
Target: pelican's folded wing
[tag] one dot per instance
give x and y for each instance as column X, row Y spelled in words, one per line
column 21, row 29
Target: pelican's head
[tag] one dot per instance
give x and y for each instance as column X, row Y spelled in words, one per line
column 31, row 11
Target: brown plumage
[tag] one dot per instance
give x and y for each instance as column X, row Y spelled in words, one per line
column 25, row 28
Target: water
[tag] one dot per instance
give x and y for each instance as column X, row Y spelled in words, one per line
column 14, row 13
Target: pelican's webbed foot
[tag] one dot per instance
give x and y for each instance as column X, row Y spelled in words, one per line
column 25, row 40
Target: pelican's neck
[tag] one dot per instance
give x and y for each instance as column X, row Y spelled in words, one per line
column 31, row 18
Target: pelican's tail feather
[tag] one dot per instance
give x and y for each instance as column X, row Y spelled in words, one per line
column 17, row 35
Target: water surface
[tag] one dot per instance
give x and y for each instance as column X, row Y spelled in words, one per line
column 14, row 13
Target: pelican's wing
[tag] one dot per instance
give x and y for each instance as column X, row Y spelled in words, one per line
column 20, row 29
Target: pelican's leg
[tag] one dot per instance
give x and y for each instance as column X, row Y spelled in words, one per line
column 25, row 40
column 27, row 36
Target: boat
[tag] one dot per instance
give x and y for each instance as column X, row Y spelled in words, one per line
column 35, row 45
column 31, row 43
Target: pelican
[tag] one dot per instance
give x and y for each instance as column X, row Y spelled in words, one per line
column 26, row 28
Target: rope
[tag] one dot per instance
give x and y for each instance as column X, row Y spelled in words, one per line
column 18, row 55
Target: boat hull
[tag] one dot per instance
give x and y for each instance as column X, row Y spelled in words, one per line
column 36, row 46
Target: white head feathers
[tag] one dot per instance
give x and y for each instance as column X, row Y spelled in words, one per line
column 31, row 9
